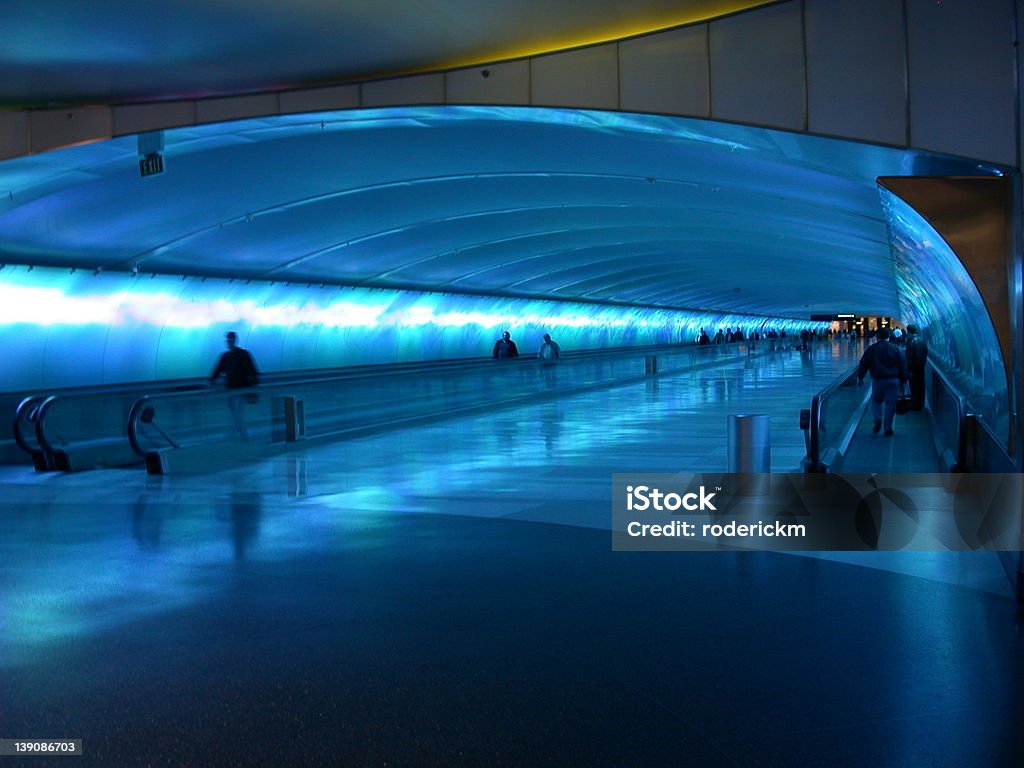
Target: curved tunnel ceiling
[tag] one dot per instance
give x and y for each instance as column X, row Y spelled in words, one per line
column 66, row 51
column 559, row 204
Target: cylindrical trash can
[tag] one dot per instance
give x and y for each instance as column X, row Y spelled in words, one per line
column 750, row 443
column 750, row 452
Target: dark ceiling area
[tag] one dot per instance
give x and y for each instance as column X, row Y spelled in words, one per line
column 67, row 51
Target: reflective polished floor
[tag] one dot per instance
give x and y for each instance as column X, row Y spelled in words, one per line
column 447, row 595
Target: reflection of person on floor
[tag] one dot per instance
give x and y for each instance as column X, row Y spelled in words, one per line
column 246, row 511
column 240, row 372
column 888, row 372
column 551, row 425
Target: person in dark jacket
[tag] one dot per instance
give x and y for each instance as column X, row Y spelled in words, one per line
column 917, row 358
column 888, row 371
column 237, row 366
column 240, row 372
column 505, row 348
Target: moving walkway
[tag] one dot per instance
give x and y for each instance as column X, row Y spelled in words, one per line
column 125, row 425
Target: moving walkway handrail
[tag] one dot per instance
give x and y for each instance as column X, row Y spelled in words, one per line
column 28, row 411
column 985, row 451
column 40, row 433
column 34, row 408
column 814, row 448
column 372, row 369
column 978, row 447
column 302, row 376
column 46, row 403
column 183, row 386
column 54, row 442
column 143, row 409
column 962, row 459
column 960, row 456
column 814, row 439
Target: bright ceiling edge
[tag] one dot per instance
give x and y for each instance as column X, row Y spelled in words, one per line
column 620, row 33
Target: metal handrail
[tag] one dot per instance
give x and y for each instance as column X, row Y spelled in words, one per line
column 1003, row 461
column 961, row 462
column 987, row 454
column 289, row 377
column 814, row 463
column 357, row 371
column 29, row 410
column 40, row 431
column 134, row 416
column 139, row 407
column 814, row 447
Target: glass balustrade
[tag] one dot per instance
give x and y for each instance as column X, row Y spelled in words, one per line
column 355, row 405
column 949, row 411
column 835, row 412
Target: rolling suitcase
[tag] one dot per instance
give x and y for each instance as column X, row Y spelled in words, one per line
column 904, row 402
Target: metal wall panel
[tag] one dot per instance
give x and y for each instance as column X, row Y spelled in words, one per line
column 320, row 99
column 139, row 118
column 50, row 129
column 962, row 77
column 667, row 72
column 757, row 67
column 13, row 134
column 507, row 83
column 236, row 108
column 856, row 70
column 1019, row 7
column 416, row 89
column 851, row 80
column 587, row 77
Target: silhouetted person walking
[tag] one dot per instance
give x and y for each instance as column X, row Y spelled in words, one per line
column 917, row 359
column 240, row 372
column 549, row 351
column 505, row 348
column 237, row 365
column 888, row 372
column 549, row 354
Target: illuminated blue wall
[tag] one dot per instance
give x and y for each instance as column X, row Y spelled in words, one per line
column 937, row 293
column 62, row 329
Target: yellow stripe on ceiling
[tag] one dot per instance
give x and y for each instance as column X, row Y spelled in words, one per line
column 693, row 13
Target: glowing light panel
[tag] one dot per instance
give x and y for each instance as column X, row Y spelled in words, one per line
column 937, row 293
column 123, row 328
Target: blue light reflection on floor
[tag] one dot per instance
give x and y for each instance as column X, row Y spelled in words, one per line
column 493, row 466
column 412, row 583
